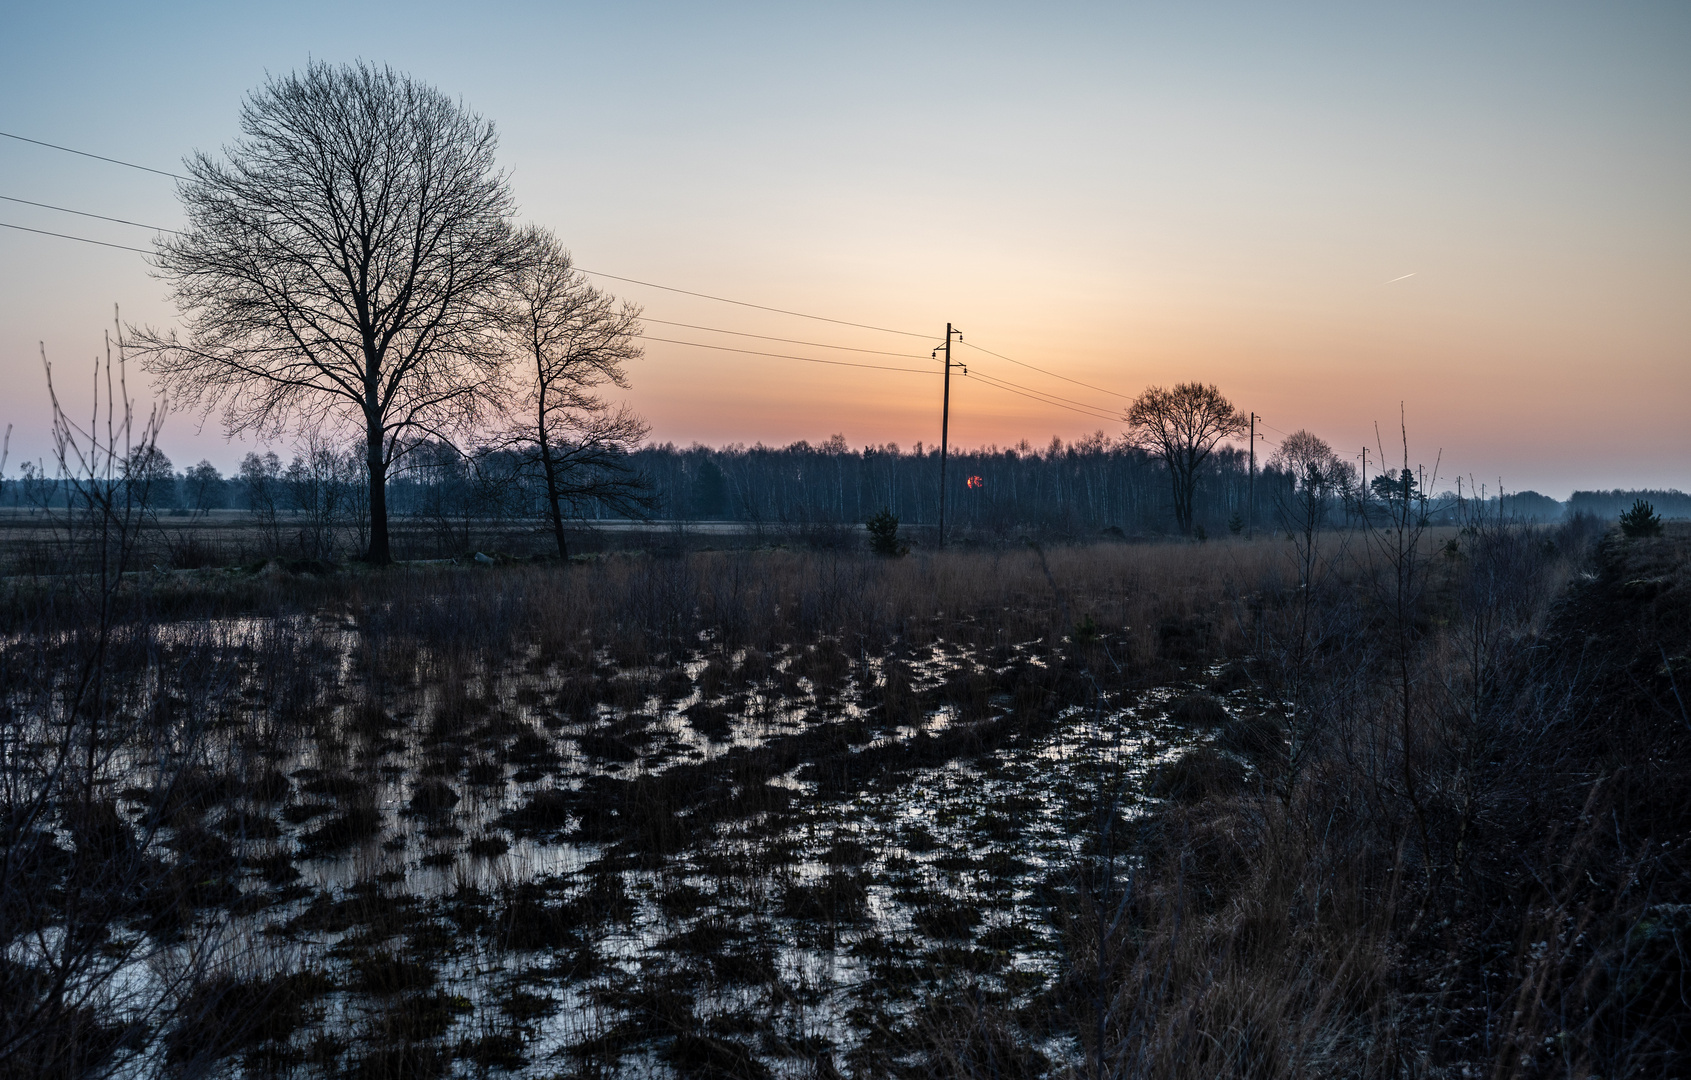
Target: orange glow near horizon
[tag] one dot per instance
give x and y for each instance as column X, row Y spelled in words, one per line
column 1474, row 216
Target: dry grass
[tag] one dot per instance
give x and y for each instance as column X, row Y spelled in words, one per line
column 1469, row 878
column 1382, row 878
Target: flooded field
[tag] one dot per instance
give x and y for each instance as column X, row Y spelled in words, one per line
column 366, row 843
column 1178, row 811
column 746, row 861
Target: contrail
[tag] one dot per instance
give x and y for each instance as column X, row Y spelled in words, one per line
column 1410, row 274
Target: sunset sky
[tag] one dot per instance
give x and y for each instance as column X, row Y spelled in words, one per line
column 1482, row 212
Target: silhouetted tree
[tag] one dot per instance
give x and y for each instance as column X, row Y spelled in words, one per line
column 1182, row 426
column 202, row 487
column 572, row 338
column 1394, row 486
column 1641, row 520
column 1315, row 475
column 340, row 266
column 148, row 472
column 321, row 485
column 261, row 488
column 883, row 534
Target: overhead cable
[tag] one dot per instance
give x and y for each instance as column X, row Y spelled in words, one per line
column 97, row 157
column 67, row 236
column 995, row 384
column 86, row 214
column 789, row 341
column 785, row 356
column 1046, row 393
column 1042, row 371
column 743, row 303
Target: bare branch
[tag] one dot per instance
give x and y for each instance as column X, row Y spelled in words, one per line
column 1182, row 426
column 340, row 265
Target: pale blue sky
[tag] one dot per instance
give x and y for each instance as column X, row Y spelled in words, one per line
column 1122, row 193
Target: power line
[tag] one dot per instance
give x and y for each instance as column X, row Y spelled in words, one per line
column 784, row 356
column 583, row 269
column 995, row 384
column 666, row 322
column 1012, row 388
column 743, row 303
column 1042, row 371
column 67, row 236
column 84, row 213
column 672, row 341
column 646, row 337
column 1046, row 393
column 1042, row 396
column 97, row 157
column 789, row 341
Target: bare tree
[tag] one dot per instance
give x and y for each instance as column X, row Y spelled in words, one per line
column 1315, row 476
column 203, row 487
column 339, row 266
column 320, row 482
column 261, row 484
column 573, row 338
column 1182, row 426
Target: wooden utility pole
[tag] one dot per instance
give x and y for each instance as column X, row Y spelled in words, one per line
column 1251, row 488
column 1362, row 495
column 945, row 426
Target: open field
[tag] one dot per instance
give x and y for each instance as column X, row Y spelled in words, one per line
column 33, row 541
column 1166, row 810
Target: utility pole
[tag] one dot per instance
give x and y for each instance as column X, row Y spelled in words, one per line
column 945, row 425
column 1251, row 488
column 1362, row 496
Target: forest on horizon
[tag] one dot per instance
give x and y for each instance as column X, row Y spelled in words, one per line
column 1085, row 487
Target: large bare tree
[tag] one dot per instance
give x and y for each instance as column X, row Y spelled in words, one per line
column 1182, row 426
column 340, row 266
column 571, row 338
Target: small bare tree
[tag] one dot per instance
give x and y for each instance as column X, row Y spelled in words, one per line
column 340, row 266
column 320, row 483
column 1315, row 476
column 572, row 338
column 89, row 965
column 202, row 488
column 261, row 489
column 1182, row 426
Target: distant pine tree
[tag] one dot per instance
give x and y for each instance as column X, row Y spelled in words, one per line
column 883, row 534
column 1641, row 520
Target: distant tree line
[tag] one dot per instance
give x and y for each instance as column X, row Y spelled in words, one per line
column 1093, row 486
column 1612, row 504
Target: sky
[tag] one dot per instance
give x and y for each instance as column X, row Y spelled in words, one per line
column 1473, row 217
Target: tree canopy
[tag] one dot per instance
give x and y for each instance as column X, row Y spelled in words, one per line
column 340, row 265
column 1182, row 426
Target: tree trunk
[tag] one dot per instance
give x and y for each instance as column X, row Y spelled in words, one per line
column 550, row 468
column 379, row 554
column 1182, row 499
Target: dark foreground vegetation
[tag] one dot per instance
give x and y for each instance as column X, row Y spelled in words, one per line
column 1403, row 802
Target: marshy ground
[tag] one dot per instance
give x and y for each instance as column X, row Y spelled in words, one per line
column 803, row 814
